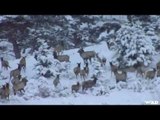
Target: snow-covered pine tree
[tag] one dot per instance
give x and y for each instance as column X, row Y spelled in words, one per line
column 6, row 49
column 43, row 67
column 133, row 46
column 150, row 33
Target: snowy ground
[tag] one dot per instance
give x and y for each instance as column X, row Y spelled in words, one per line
column 41, row 91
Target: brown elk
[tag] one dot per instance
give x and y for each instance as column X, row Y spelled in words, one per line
column 120, row 75
column 150, row 74
column 61, row 58
column 76, row 87
column 89, row 83
column 86, row 55
column 23, row 63
column 158, row 65
column 56, row 81
column 101, row 60
column 20, row 86
column 5, row 91
column 83, row 73
column 16, row 79
column 77, row 69
column 59, row 48
column 4, row 63
column 87, row 69
column 113, row 67
column 16, row 72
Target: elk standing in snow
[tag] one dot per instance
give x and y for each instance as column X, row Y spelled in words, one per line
column 4, row 63
column 86, row 55
column 77, row 69
column 76, row 87
column 101, row 60
column 141, row 71
column 150, row 74
column 158, row 65
column 87, row 69
column 158, row 72
column 20, row 86
column 16, row 79
column 120, row 76
column 61, row 58
column 113, row 67
column 5, row 91
column 16, row 72
column 89, row 83
column 23, row 63
column 83, row 73
column 56, row 81
column 59, row 48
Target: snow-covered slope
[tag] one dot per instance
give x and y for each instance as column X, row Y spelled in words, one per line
column 42, row 91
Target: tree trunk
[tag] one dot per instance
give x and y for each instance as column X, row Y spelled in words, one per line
column 16, row 48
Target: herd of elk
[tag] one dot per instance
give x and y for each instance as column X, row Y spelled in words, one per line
column 18, row 82
column 120, row 73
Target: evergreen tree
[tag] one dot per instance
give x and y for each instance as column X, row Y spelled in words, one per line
column 133, row 46
column 150, row 33
column 43, row 67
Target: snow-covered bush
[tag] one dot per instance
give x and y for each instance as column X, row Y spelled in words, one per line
column 44, row 91
column 6, row 49
column 121, row 85
column 44, row 64
column 133, row 46
column 150, row 33
column 134, row 85
column 103, row 89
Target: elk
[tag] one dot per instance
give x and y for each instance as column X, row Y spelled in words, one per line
column 89, row 83
column 16, row 72
column 20, row 86
column 158, row 72
column 113, row 67
column 76, row 87
column 77, row 69
column 83, row 73
column 56, row 81
column 158, row 65
column 101, row 60
column 150, row 74
column 4, row 63
column 2, row 91
column 141, row 71
column 16, row 79
column 86, row 55
column 128, row 69
column 59, row 48
column 23, row 63
column 87, row 69
column 120, row 75
column 5, row 91
column 61, row 58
